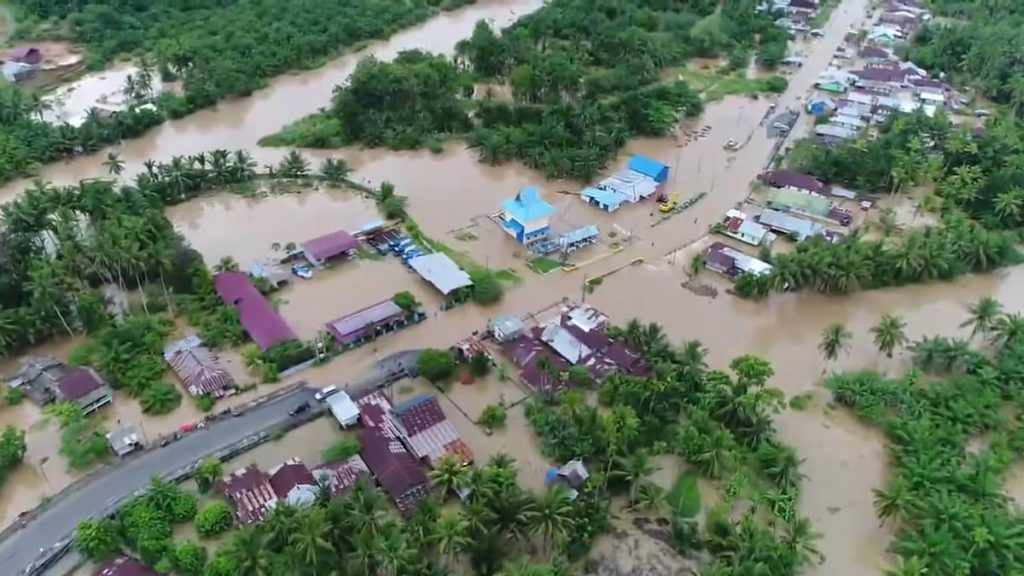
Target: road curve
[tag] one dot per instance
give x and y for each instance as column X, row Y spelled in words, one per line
column 24, row 546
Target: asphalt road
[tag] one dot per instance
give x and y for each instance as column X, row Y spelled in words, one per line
column 23, row 547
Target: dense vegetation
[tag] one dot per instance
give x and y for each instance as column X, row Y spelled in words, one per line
column 720, row 423
column 12, row 450
column 583, row 80
column 979, row 49
column 26, row 141
column 219, row 49
column 953, row 436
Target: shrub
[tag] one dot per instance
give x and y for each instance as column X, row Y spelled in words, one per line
column 215, row 518
column 480, row 364
column 436, row 365
column 96, row 539
column 207, row 473
column 405, row 300
column 486, row 287
column 189, row 558
column 284, row 355
column 493, row 416
column 14, row 396
column 160, row 398
column 684, row 499
column 204, row 402
column 342, row 449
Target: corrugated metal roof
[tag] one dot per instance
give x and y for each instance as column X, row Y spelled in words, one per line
column 329, row 245
column 250, row 493
column 200, row 371
column 527, row 205
column 353, row 325
column 341, row 475
column 263, row 324
column 438, row 269
column 647, row 166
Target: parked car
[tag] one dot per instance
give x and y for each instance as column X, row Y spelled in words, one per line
column 299, row 409
column 304, row 271
column 325, row 392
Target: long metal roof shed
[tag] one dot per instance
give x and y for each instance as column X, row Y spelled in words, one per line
column 438, row 269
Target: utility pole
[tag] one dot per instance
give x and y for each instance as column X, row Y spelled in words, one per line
column 583, row 299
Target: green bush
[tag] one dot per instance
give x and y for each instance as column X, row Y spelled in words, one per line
column 493, row 416
column 204, row 402
column 342, row 449
column 160, row 398
column 189, row 558
column 486, row 287
column 207, row 473
column 405, row 300
column 215, row 518
column 96, row 540
column 284, row 355
column 684, row 499
column 436, row 365
column 480, row 364
column 14, row 396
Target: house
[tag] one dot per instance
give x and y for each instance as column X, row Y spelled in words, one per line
column 397, row 471
column 882, row 74
column 26, row 55
column 249, row 492
column 526, row 217
column 341, row 475
column 850, row 122
column 933, row 98
column 124, row 566
column 328, row 247
column 819, row 106
column 648, row 167
column 84, row 387
column 732, row 263
column 885, row 35
column 368, row 323
column 271, row 272
column 427, row 431
column 806, row 6
column 37, row 378
column 797, row 202
column 343, row 409
column 17, row 71
column 577, row 336
column 606, row 200
column 737, row 225
column 469, row 347
column 293, row 483
column 831, row 131
column 258, row 318
column 198, row 368
column 572, row 475
column 440, row 271
column 125, row 439
column 790, row 225
column 874, row 53
column 794, row 181
column 506, row 327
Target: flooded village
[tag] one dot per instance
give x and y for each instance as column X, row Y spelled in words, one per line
column 659, row 236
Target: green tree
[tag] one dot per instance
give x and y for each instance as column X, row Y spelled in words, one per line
column 436, row 365
column 189, row 558
column 343, row 449
column 983, row 315
column 12, row 450
column 207, row 473
column 449, row 474
column 114, row 164
column 492, row 417
column 633, row 470
column 405, row 300
column 213, row 519
column 835, row 339
column 889, row 334
column 96, row 539
column 480, row 364
column 160, row 398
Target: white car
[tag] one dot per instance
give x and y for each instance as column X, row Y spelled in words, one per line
column 324, row 393
column 302, row 271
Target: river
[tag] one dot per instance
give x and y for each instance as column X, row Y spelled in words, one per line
column 451, row 191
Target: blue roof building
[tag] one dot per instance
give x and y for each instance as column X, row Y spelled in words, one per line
column 607, row 200
column 526, row 216
column 648, row 167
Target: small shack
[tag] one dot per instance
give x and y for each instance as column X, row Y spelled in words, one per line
column 125, row 439
column 26, row 55
column 343, row 409
column 506, row 327
column 526, row 216
column 443, row 273
column 820, row 106
column 328, row 247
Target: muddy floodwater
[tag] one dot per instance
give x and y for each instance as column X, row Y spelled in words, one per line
column 452, row 195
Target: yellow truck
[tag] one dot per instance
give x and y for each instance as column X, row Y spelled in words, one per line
column 668, row 204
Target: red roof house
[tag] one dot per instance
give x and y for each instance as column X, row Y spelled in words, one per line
column 293, row 483
column 341, row 475
column 84, row 387
column 198, row 368
column 428, row 432
column 321, row 249
column 397, row 471
column 364, row 323
column 250, row 492
column 795, row 180
column 123, row 566
column 26, row 55
column 259, row 319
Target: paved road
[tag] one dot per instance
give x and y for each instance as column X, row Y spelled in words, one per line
column 23, row 547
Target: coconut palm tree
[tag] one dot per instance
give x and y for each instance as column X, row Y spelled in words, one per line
column 983, row 315
column 553, row 515
column 835, row 339
column 250, row 556
column 309, row 542
column 449, row 474
column 1006, row 329
column 892, row 502
column 633, row 470
column 226, row 264
column 293, row 165
column 912, row 566
column 450, row 535
column 114, row 164
column 889, row 334
column 799, row 538
column 334, row 170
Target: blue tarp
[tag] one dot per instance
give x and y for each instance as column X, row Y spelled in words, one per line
column 527, row 206
column 648, row 167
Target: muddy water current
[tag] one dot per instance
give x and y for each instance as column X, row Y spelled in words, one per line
column 451, row 195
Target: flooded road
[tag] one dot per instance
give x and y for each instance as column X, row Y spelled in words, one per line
column 451, row 194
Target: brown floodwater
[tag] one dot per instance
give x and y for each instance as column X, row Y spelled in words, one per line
column 451, row 195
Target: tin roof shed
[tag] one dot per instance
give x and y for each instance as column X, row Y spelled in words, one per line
column 438, row 269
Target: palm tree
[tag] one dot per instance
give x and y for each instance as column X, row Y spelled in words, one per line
column 1006, row 329
column 226, row 264
column 309, row 542
column 334, row 170
column 293, row 165
column 983, row 315
column 449, row 474
column 634, row 470
column 114, row 164
column 912, row 566
column 450, row 534
column 889, row 334
column 835, row 339
column 892, row 502
column 249, row 554
column 553, row 515
column 799, row 538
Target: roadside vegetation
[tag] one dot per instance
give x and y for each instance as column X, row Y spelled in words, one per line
column 222, row 50
column 583, row 83
column 12, row 450
column 720, row 423
column 954, row 430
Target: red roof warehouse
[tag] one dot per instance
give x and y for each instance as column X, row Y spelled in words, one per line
column 322, row 248
column 259, row 319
